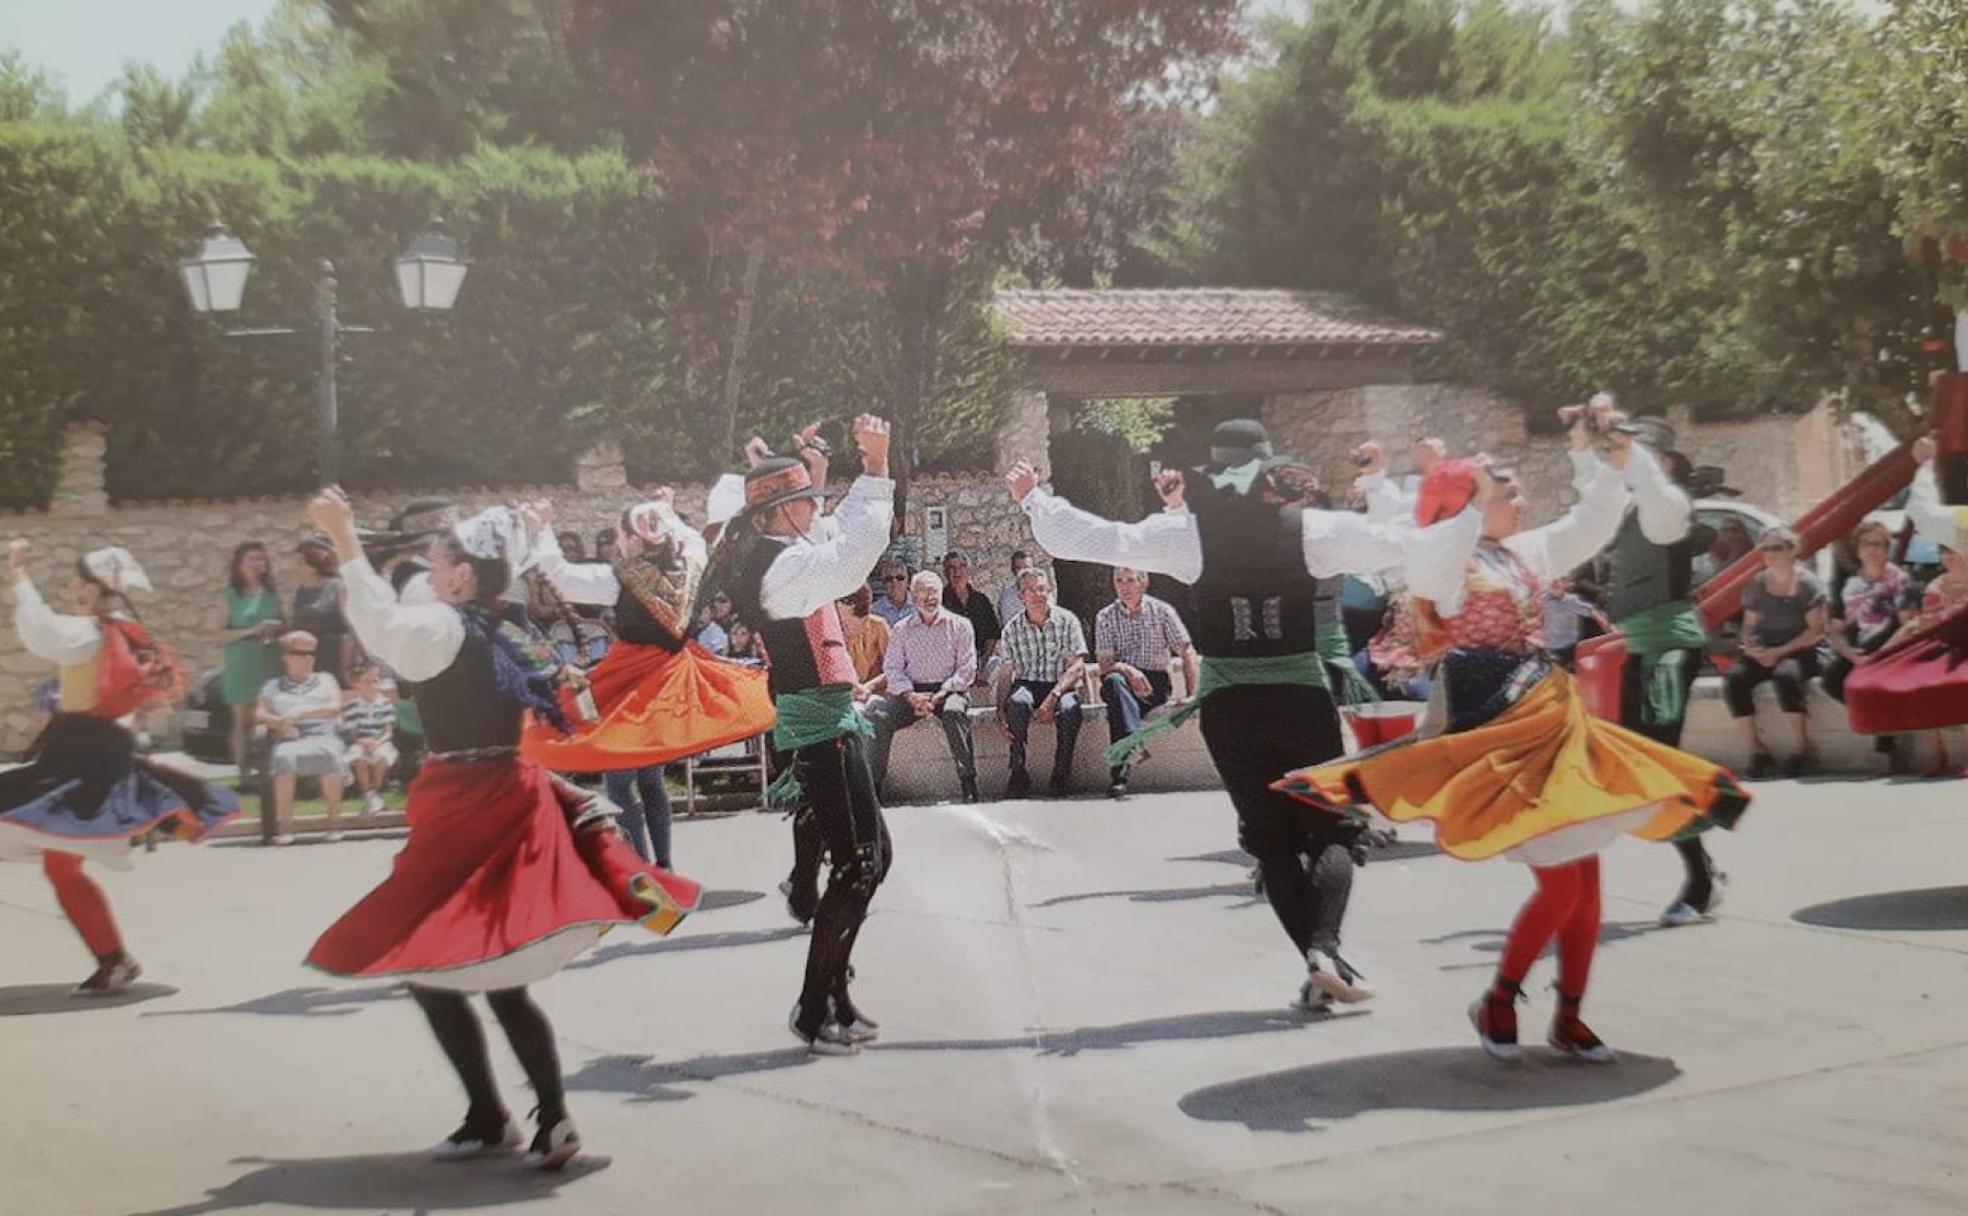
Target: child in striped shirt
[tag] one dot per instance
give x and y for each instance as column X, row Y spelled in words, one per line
column 368, row 722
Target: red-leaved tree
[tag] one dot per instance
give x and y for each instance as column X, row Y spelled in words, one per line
column 901, row 138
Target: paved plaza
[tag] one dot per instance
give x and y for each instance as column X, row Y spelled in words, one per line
column 1084, row 1011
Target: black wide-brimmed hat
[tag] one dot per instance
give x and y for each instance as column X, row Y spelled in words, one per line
column 1238, row 441
column 777, row 481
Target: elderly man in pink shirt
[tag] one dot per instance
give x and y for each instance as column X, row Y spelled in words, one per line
column 931, row 664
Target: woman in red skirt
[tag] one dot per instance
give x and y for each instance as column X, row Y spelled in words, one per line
column 508, row 874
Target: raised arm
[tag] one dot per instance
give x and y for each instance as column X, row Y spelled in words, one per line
column 58, row 637
column 809, row 576
column 1666, row 514
column 1167, row 543
column 1581, row 532
column 1933, row 518
column 416, row 641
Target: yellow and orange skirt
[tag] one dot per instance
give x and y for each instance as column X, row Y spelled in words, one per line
column 656, row 706
column 1541, row 781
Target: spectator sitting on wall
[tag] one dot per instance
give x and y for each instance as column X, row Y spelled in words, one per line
column 572, row 546
column 1010, row 603
column 931, row 663
column 1783, row 621
column 963, row 597
column 301, row 709
column 1946, row 595
column 1046, row 650
column 604, row 546
column 368, row 728
column 1133, row 638
column 893, row 604
column 744, row 646
column 1871, row 607
column 867, row 642
column 711, row 630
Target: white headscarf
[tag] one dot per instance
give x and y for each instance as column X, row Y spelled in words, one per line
column 116, row 569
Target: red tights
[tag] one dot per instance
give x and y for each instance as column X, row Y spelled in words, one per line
column 83, row 901
column 1566, row 904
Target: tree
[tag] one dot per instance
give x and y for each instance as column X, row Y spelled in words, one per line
column 903, row 141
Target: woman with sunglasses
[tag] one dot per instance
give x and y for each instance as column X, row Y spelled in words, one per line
column 1508, row 762
column 1874, row 603
column 301, row 710
column 1783, row 621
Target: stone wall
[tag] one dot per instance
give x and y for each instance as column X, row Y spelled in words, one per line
column 1782, row 463
column 185, row 546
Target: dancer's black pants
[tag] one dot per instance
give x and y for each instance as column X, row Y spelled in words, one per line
column 1255, row 734
column 463, row 1040
column 845, row 815
column 1637, row 716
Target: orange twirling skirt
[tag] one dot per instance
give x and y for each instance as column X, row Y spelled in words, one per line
column 656, row 706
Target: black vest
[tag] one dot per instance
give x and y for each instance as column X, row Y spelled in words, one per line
column 463, row 707
column 1641, row 574
column 635, row 623
column 790, row 664
column 1254, row 598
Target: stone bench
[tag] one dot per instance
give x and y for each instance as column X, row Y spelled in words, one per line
column 1710, row 733
column 920, row 769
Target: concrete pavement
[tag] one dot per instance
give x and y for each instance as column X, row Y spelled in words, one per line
column 1084, row 1011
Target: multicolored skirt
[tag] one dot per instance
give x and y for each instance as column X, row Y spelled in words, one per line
column 84, row 790
column 1918, row 681
column 495, row 889
column 656, row 706
column 1511, row 764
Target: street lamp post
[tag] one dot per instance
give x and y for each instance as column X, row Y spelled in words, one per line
column 429, row 275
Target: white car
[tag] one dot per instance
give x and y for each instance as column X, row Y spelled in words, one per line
column 1726, row 516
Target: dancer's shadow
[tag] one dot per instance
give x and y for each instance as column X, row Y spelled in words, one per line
column 643, row 1079
column 1184, row 1027
column 1438, row 1078
column 1491, row 941
column 384, row 1182
column 1228, row 857
column 1160, row 895
column 1402, row 850
column 685, row 944
column 316, row 1001
column 1923, row 910
column 22, row 1000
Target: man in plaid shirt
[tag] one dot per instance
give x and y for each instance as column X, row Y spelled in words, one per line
column 1133, row 638
column 1047, row 651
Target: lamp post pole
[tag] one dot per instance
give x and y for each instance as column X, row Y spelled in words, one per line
column 327, row 462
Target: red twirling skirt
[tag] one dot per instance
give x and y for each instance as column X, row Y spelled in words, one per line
column 494, row 889
column 1917, row 682
column 656, row 706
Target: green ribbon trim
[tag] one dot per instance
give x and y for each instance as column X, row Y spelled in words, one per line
column 1218, row 673
column 1348, row 685
column 807, row 717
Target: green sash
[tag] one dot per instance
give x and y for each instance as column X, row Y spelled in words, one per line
column 807, row 717
column 1219, row 673
column 1350, row 688
column 1661, row 638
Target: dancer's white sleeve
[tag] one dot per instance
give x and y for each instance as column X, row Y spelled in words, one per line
column 59, row 637
column 1579, row 534
column 1343, row 542
column 1168, row 543
column 1437, row 559
column 418, row 641
column 1386, row 502
column 813, row 573
column 1931, row 517
column 1665, row 512
column 577, row 582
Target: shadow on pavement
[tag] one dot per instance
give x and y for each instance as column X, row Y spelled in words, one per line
column 714, row 901
column 385, row 1182
column 317, row 1001
column 1228, row 857
column 1490, row 941
column 1181, row 1027
column 1159, row 895
column 1438, row 1078
column 643, row 1079
column 685, row 944
column 1926, row 909
column 22, row 1000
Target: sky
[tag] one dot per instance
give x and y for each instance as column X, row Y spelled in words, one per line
column 85, row 43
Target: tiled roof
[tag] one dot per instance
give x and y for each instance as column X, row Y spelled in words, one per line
column 1212, row 316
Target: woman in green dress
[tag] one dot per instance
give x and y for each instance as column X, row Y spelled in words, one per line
column 247, row 619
